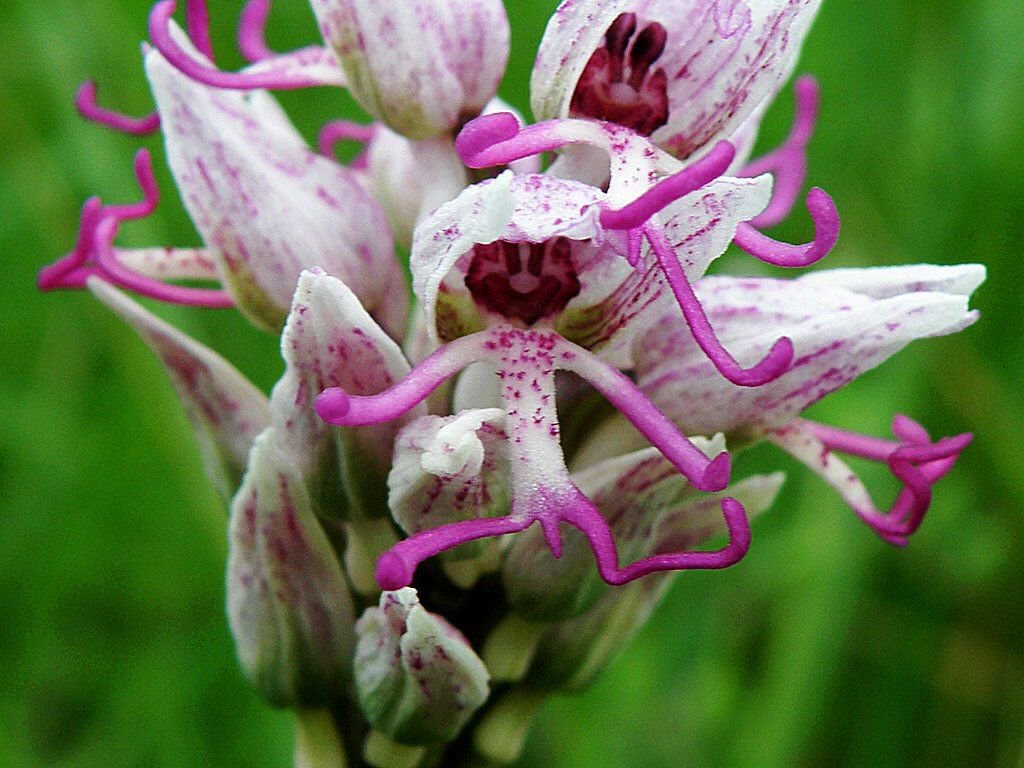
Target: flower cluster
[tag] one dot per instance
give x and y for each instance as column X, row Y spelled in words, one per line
column 549, row 417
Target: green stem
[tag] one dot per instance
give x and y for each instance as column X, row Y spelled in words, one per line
column 317, row 741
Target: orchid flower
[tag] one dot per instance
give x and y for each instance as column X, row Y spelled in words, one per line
column 510, row 274
column 842, row 322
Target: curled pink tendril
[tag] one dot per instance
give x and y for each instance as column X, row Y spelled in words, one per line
column 203, row 72
column 397, row 567
column 197, row 22
column 788, row 162
column 826, row 233
column 773, row 365
column 252, row 31
column 88, row 108
column 916, row 461
column 94, row 252
column 670, row 189
column 337, row 131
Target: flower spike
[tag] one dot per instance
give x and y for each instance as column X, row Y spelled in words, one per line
column 88, row 108
column 826, row 233
column 304, row 68
column 788, row 161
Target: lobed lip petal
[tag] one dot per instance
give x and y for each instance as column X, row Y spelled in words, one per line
column 266, row 206
column 838, row 333
column 225, row 409
column 330, row 340
column 419, row 66
column 288, row 603
column 722, row 61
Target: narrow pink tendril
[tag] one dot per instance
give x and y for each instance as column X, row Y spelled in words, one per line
column 197, row 21
column 397, row 566
column 200, row 71
column 670, row 189
column 88, row 108
column 788, row 161
column 344, row 130
column 252, row 31
column 484, row 132
column 94, row 253
column 826, row 233
column 916, row 461
column 773, row 365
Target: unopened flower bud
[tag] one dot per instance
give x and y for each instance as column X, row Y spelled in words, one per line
column 289, row 606
column 419, row 66
column 417, row 678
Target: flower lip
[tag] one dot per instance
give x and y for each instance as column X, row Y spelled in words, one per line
column 618, row 84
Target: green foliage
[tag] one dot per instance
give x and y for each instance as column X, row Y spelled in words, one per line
column 824, row 647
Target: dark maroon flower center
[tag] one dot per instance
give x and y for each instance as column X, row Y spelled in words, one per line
column 618, row 84
column 523, row 281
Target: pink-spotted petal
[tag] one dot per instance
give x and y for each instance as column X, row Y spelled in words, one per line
column 226, row 411
column 331, row 341
column 419, row 66
column 265, row 205
column 838, row 333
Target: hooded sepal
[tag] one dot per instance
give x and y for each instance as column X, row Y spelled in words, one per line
column 226, row 411
column 417, row 678
column 330, row 340
column 419, row 66
column 265, row 204
column 685, row 73
column 573, row 652
column 289, row 606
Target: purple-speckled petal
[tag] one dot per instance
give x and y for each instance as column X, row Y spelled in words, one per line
column 417, row 678
column 330, row 340
column 266, row 206
column 419, row 66
column 722, row 59
column 838, row 333
column 226, row 411
column 290, row 609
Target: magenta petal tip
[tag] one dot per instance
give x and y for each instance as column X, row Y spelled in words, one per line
column 332, row 405
column 716, row 475
column 393, row 572
column 483, row 132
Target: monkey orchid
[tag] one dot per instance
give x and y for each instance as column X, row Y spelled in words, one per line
column 553, row 265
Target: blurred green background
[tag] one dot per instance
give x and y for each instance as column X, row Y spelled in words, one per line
column 824, row 647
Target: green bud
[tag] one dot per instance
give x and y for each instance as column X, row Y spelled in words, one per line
column 417, row 678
